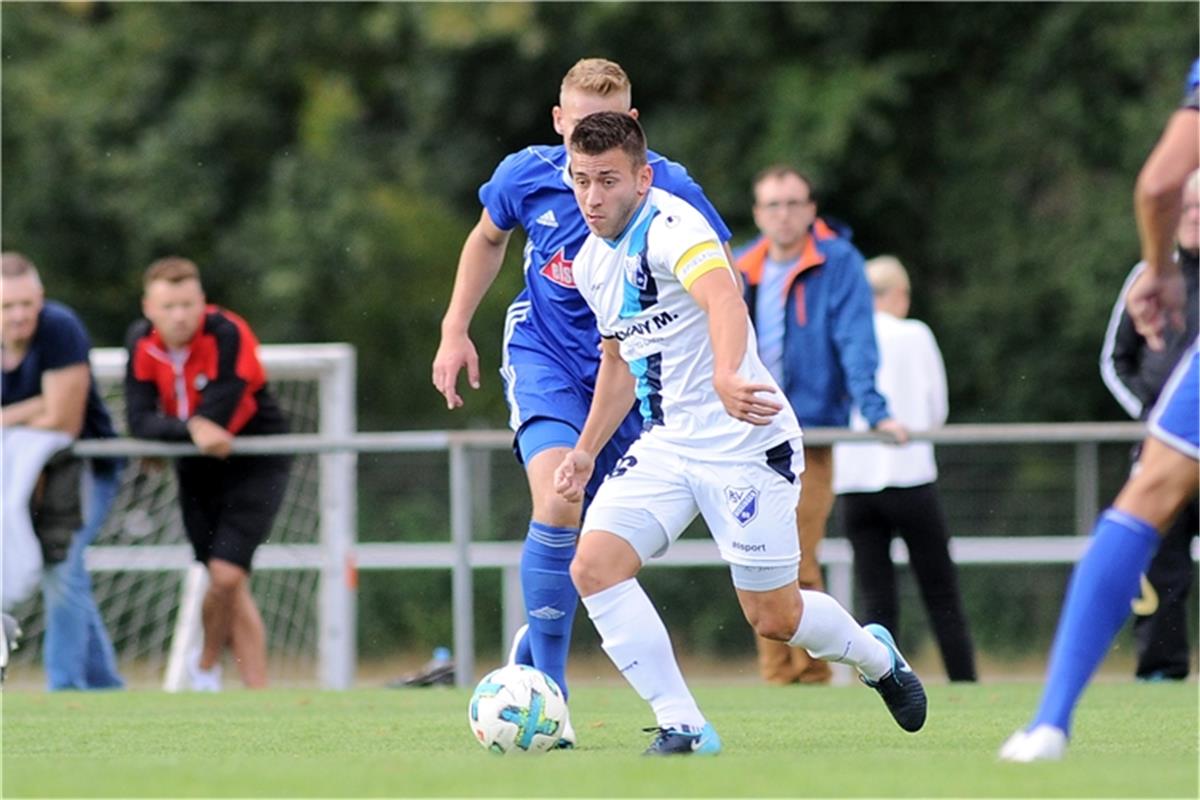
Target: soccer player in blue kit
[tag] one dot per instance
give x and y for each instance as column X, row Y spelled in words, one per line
column 551, row 346
column 1106, row 580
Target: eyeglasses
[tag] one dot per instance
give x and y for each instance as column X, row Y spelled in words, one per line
column 784, row 205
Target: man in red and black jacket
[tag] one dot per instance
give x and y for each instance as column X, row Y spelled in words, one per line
column 194, row 373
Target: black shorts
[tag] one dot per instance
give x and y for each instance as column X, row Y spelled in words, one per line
column 230, row 505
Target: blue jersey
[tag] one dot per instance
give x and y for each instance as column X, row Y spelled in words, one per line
column 531, row 188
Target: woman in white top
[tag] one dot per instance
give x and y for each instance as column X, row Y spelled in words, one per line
column 890, row 489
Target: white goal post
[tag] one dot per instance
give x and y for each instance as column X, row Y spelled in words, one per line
column 142, row 566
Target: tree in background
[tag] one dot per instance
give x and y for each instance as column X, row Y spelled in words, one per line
column 320, row 161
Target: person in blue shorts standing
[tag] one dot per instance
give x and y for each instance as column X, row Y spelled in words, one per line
column 1106, row 581
column 550, row 347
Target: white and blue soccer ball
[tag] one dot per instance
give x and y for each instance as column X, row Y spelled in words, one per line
column 517, row 709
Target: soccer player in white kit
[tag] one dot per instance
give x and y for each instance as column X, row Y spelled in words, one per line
column 676, row 340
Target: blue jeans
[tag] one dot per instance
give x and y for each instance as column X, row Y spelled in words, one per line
column 77, row 651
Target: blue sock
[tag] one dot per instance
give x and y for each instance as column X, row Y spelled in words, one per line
column 550, row 597
column 1105, row 582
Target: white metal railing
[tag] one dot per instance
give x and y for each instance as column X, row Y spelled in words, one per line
column 462, row 555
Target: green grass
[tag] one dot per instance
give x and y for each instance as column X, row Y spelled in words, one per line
column 1131, row 740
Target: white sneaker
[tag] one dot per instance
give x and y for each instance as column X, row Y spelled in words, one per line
column 567, row 740
column 1043, row 743
column 10, row 638
column 203, row 680
column 516, row 643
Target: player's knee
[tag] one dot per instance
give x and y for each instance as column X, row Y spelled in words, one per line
column 772, row 619
column 549, row 508
column 592, row 572
column 587, row 574
column 775, row 625
column 1155, row 495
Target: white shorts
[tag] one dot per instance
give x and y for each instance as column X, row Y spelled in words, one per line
column 750, row 507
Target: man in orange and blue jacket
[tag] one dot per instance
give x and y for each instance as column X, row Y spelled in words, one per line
column 812, row 311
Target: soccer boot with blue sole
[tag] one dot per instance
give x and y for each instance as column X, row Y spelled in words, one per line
column 900, row 688
column 684, row 741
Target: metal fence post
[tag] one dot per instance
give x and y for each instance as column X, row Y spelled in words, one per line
column 1087, row 486
column 338, row 644
column 462, row 580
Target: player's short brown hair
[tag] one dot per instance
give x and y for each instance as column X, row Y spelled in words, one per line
column 600, row 132
column 597, row 76
column 172, row 269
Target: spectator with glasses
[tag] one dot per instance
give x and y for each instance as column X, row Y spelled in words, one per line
column 813, row 313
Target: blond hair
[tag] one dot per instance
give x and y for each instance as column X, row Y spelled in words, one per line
column 597, row 76
column 885, row 273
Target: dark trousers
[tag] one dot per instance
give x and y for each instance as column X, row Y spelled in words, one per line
column 1162, row 635
column 915, row 514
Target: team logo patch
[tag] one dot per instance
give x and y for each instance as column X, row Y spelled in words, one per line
column 558, row 270
column 547, row 613
column 742, row 502
column 635, row 275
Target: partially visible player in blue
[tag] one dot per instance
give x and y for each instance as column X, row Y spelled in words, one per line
column 551, row 348
column 1106, row 581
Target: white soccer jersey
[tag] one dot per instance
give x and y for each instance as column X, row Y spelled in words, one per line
column 635, row 285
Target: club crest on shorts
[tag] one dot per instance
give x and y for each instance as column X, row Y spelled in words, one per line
column 742, row 502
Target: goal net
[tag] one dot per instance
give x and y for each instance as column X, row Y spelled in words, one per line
column 149, row 589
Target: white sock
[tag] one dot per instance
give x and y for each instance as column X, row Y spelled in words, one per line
column 633, row 635
column 827, row 631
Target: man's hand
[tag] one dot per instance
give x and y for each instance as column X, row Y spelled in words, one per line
column 1155, row 301
column 211, row 438
column 454, row 353
column 573, row 474
column 742, row 399
column 894, row 429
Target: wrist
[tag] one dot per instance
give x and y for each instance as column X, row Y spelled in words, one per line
column 454, row 327
column 586, row 452
column 723, row 374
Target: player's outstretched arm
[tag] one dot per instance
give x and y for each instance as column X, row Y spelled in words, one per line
column 1156, row 298
column 717, row 293
column 610, row 405
column 478, row 265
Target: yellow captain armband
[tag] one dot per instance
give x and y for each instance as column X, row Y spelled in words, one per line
column 700, row 260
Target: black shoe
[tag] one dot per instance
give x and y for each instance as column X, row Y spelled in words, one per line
column 677, row 742
column 900, row 688
column 434, row 673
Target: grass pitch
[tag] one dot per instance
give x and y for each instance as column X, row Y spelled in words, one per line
column 1131, row 740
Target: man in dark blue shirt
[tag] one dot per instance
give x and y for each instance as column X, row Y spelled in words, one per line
column 48, row 384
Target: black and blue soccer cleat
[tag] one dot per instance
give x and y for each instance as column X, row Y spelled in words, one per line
column 900, row 688
column 683, row 741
